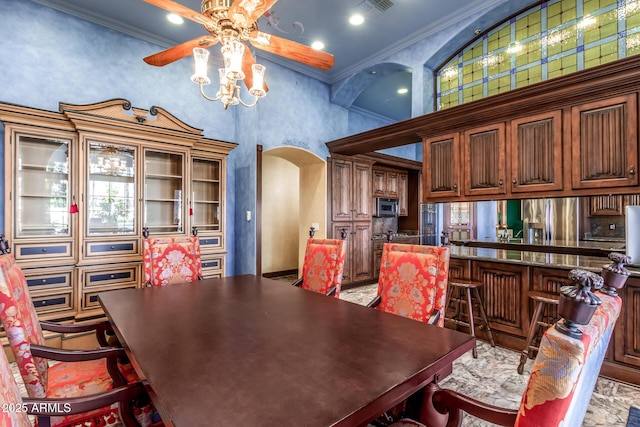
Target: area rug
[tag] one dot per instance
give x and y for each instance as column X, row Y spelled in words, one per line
column 634, row 417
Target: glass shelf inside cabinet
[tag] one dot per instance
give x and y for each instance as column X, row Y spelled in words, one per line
column 42, row 187
column 163, row 188
column 206, row 194
column 111, row 189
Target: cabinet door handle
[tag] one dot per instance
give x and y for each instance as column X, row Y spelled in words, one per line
column 632, row 170
column 500, row 183
column 514, row 181
column 44, row 249
column 455, row 186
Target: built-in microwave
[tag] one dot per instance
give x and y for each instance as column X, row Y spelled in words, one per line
column 386, row 207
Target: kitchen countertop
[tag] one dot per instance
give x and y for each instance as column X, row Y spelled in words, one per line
column 535, row 259
column 605, row 245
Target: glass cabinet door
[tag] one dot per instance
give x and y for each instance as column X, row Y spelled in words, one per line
column 163, row 191
column 205, row 200
column 42, row 187
column 111, row 189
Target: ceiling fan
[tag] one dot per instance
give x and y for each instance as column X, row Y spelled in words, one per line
column 235, row 20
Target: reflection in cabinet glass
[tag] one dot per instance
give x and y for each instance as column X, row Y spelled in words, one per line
column 42, row 210
column 111, row 189
column 163, row 191
column 205, row 200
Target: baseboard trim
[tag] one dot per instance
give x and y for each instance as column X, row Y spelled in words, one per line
column 280, row 273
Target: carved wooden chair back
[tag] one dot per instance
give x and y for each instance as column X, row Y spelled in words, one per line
column 11, row 413
column 323, row 266
column 413, row 281
column 169, row 260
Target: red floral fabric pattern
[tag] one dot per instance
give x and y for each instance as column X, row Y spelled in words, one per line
column 413, row 280
column 65, row 379
column 10, row 396
column 565, row 371
column 323, row 265
column 169, row 260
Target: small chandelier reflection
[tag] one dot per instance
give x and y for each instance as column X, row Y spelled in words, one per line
column 230, row 75
column 110, row 163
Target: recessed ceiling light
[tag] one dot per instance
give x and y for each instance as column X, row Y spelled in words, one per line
column 356, row 19
column 374, row 72
column 402, row 90
column 317, row 45
column 175, row 19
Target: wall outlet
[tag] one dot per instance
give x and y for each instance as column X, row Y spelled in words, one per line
column 248, row 215
column 316, row 226
column 612, row 226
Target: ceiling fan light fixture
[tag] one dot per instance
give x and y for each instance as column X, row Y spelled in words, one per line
column 257, row 88
column 356, row 19
column 201, row 57
column 232, row 53
column 317, row 45
column 403, row 90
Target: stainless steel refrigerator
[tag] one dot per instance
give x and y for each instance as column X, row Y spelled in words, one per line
column 546, row 220
column 428, row 224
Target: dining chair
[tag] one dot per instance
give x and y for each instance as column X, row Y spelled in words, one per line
column 169, row 260
column 413, row 282
column 562, row 377
column 78, row 373
column 16, row 408
column 323, row 266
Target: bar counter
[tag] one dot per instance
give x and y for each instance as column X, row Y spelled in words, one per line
column 510, row 275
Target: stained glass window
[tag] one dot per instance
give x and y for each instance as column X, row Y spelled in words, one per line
column 548, row 40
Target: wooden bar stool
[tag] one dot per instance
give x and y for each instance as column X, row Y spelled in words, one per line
column 467, row 292
column 537, row 324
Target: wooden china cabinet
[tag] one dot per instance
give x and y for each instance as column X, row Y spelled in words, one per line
column 81, row 184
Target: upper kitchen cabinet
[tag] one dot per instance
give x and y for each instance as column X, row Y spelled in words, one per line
column 385, row 183
column 484, row 160
column 441, row 167
column 536, row 153
column 604, row 143
column 351, row 190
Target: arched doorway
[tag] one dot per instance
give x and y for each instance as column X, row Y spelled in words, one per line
column 294, row 196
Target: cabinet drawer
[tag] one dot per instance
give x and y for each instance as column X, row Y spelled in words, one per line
column 208, row 244
column 48, row 280
column 32, row 251
column 51, row 303
column 101, row 249
column 378, row 245
column 109, row 275
column 90, row 299
column 212, row 266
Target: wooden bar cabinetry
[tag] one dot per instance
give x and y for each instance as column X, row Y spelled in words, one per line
column 83, row 182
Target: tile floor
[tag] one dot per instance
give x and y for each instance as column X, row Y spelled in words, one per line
column 492, row 378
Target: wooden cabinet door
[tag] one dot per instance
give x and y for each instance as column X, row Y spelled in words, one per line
column 536, row 153
column 379, row 183
column 627, row 331
column 361, row 251
column 441, row 169
column 504, row 295
column 403, row 194
column 361, row 201
column 341, row 190
column 604, row 143
column 392, row 184
column 484, row 160
column 609, row 205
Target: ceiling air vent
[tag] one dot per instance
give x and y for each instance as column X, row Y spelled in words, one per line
column 371, row 8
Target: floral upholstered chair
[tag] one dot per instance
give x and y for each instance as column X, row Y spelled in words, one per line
column 169, row 260
column 323, row 266
column 15, row 409
column 78, row 374
column 560, row 386
column 413, row 282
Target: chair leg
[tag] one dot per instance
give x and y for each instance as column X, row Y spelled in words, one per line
column 483, row 314
column 457, row 312
column 471, row 322
column 533, row 327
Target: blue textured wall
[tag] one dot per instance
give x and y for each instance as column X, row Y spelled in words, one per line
column 47, row 57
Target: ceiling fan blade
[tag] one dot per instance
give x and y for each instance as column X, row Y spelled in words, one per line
column 246, row 12
column 292, row 50
column 247, row 61
column 181, row 10
column 180, row 51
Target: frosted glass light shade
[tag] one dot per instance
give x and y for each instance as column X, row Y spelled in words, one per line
column 257, row 88
column 232, row 53
column 201, row 57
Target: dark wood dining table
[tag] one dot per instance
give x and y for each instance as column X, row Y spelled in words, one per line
column 251, row 351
